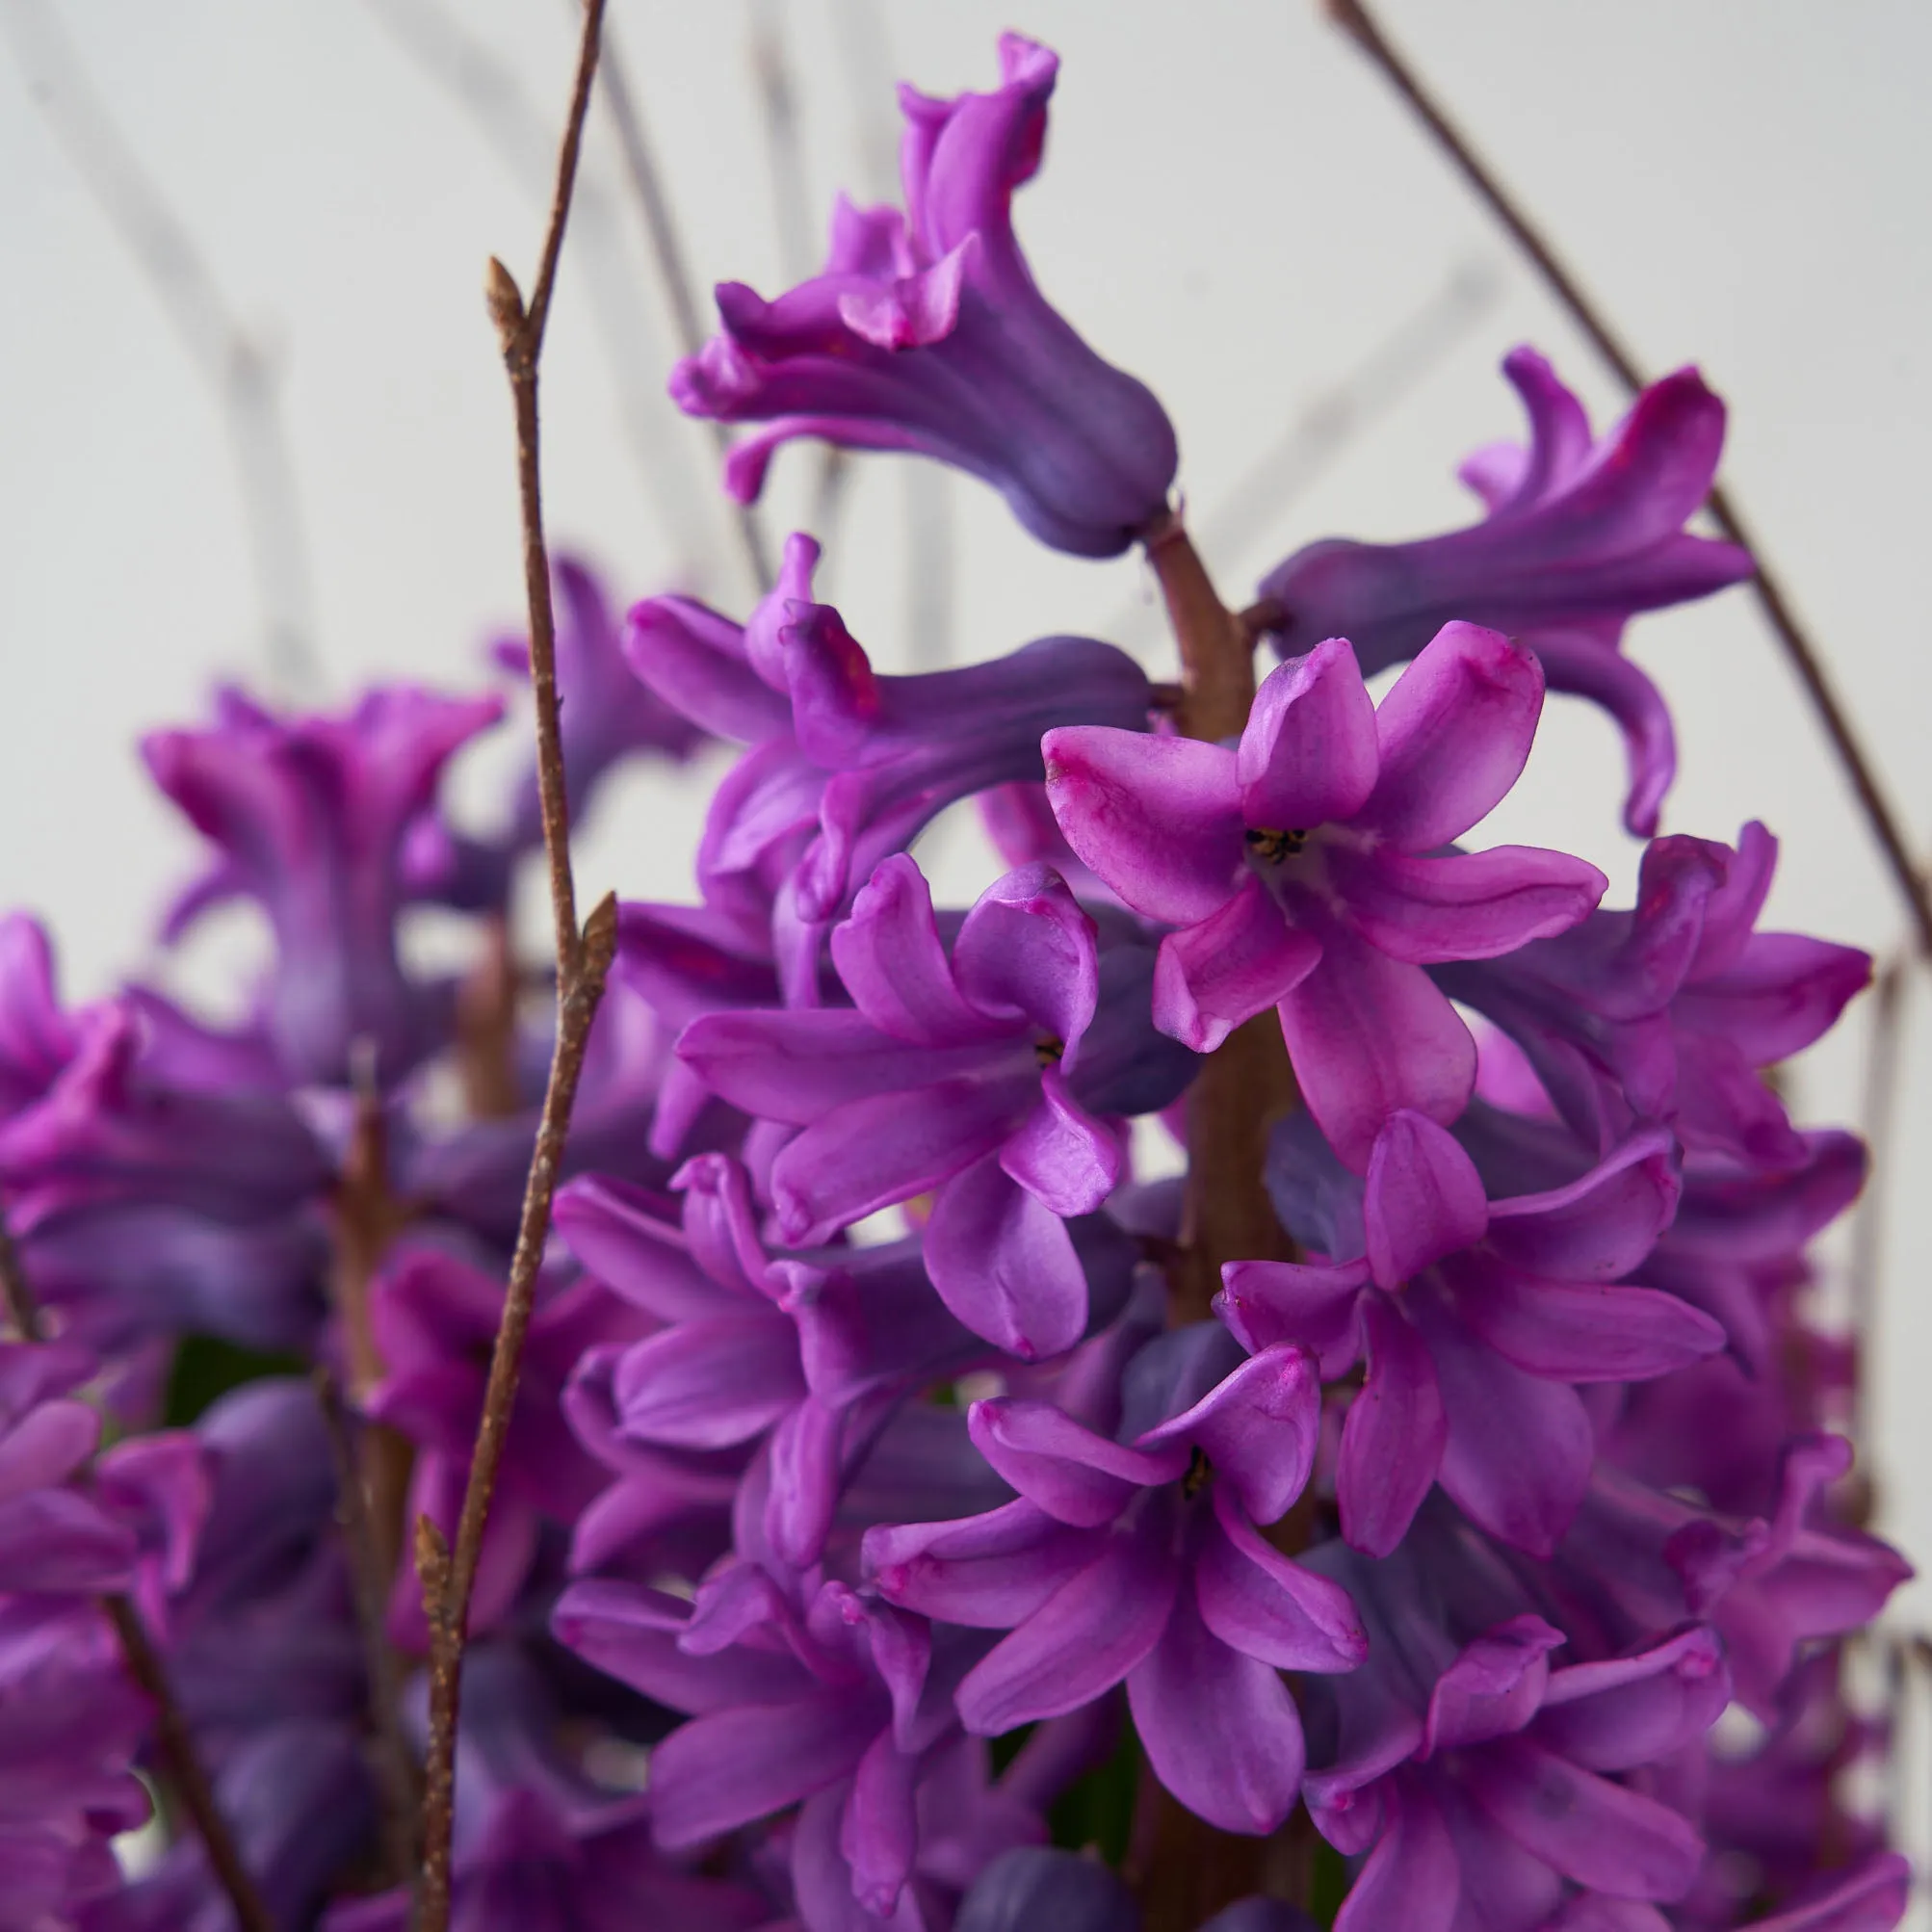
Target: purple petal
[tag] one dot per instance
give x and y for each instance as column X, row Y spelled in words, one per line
column 1075, row 1475
column 870, row 1153
column 881, row 1833
column 708, row 1384
column 1259, row 1428
column 1218, row 1726
column 1579, row 663
column 1004, row 1265
column 987, row 1572
column 1060, row 1154
column 1599, row 1834
column 1641, row 1709
column 1454, row 734
column 1159, row 818
column 889, row 955
column 1493, row 1687
column 1520, row 1448
column 1028, row 953
column 723, row 1769
column 1237, row 962
column 1254, row 1599
column 1307, row 755
column 1600, row 1226
column 1412, row 1880
column 1424, row 1198
column 1577, row 1332
column 1873, row 1898
column 804, row 1490
column 1466, row 906
column 1271, row 1301
column 47, row 1446
column 1369, row 1036
column 1080, row 1642
column 1394, row 1438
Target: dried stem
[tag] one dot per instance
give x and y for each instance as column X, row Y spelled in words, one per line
column 397, row 1772
column 1186, row 1870
column 1352, row 16
column 674, row 272
column 176, row 1748
column 583, row 960
column 173, row 1740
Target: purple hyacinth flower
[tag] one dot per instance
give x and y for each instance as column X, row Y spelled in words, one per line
column 807, row 1354
column 435, row 1320
column 846, row 766
column 1496, row 1802
column 925, row 332
column 1139, row 1560
column 1475, row 1318
column 970, row 1076
column 1580, row 536
column 811, row 1696
column 36, row 1037
column 1670, row 1010
column 309, row 815
column 1302, row 867
column 53, row 1539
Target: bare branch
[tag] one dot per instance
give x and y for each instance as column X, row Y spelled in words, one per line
column 1353, row 17
column 583, row 959
column 230, row 360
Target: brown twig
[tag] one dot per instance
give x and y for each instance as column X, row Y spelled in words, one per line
column 185, row 1772
column 674, row 272
column 1353, row 17
column 173, row 1740
column 1184, row 1869
column 583, row 959
column 396, row 1768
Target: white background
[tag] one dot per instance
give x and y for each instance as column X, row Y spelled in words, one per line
column 1234, row 207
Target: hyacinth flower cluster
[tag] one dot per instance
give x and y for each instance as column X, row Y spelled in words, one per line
column 916, row 1511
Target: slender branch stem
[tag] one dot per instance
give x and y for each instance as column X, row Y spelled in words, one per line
column 396, row 1768
column 583, row 959
column 1353, row 17
column 674, row 272
column 173, row 1739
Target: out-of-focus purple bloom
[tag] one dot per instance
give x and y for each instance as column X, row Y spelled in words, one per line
column 53, row 1539
column 1669, row 1011
column 1033, row 1886
column 36, row 1037
column 538, row 1846
column 1474, row 1317
column 806, row 1354
column 1139, row 1560
column 606, row 714
column 811, row 1697
column 846, row 766
column 71, row 1722
column 1580, row 536
column 297, row 1796
column 309, row 815
column 993, row 1077
column 435, row 1320
column 925, row 332
column 1303, row 871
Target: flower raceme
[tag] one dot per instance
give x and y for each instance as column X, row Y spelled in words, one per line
column 875, row 1476
column 1302, row 867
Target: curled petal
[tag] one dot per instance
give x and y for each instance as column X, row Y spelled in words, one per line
column 987, row 1572
column 1424, row 1198
column 1254, row 1599
column 1307, row 755
column 1393, row 1441
column 1003, row 1264
column 1075, row 1475
column 1469, row 905
column 1237, row 962
column 889, row 955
